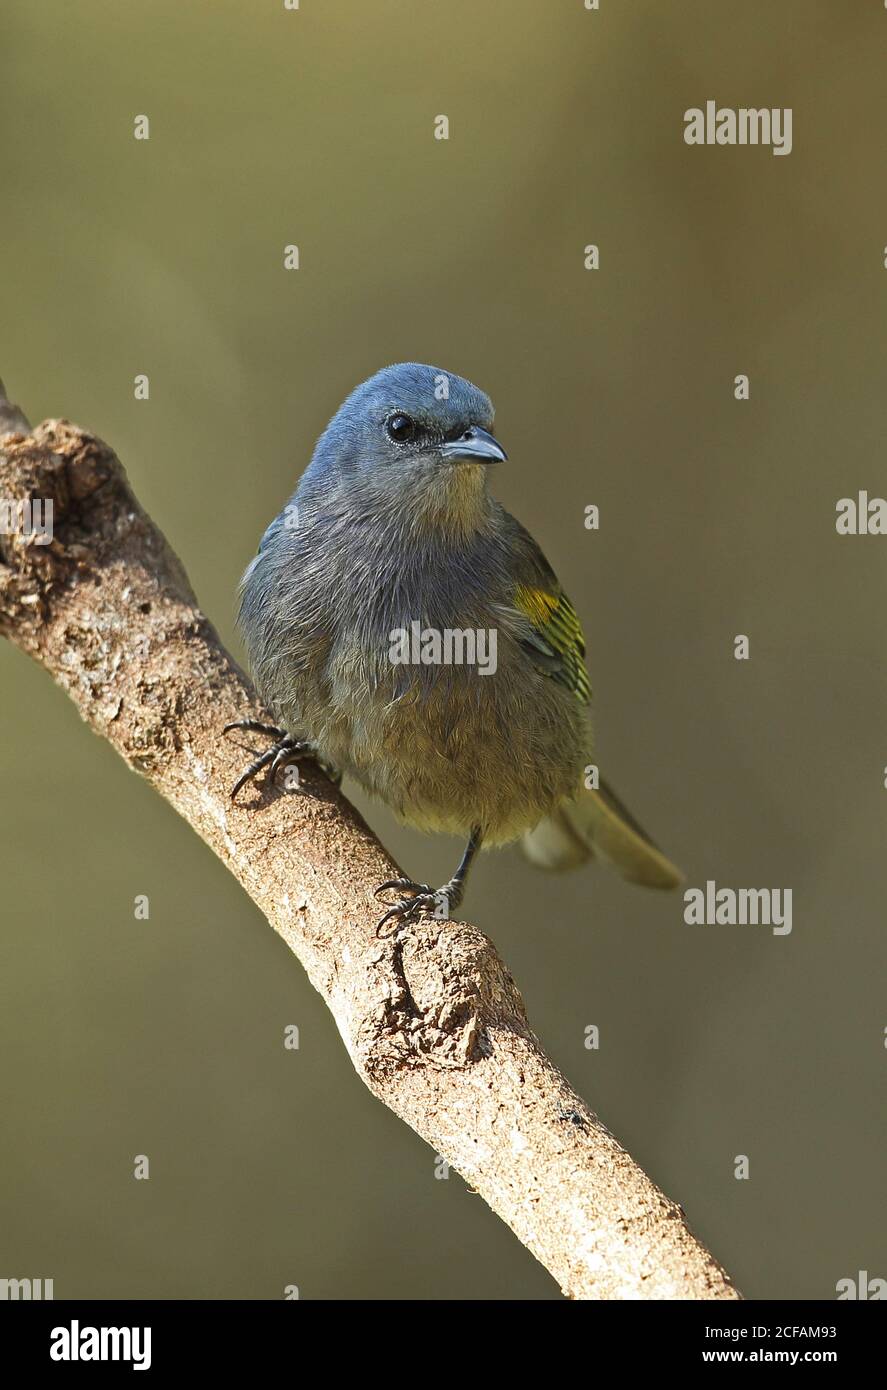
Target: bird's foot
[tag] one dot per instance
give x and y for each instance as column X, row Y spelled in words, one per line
column 418, row 899
column 284, row 749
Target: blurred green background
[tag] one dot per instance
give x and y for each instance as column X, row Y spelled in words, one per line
column 615, row 387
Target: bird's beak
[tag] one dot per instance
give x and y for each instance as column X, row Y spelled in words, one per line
column 474, row 446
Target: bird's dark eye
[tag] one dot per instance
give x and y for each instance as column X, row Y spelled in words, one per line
column 400, row 428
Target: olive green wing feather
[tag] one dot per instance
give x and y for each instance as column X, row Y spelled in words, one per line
column 554, row 639
column 593, row 824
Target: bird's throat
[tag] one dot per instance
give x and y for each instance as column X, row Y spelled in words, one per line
column 452, row 503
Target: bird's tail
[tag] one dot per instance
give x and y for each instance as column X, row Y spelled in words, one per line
column 595, row 825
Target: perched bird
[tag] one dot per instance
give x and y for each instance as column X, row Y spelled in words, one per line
column 407, row 631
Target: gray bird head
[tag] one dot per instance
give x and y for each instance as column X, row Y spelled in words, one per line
column 411, row 437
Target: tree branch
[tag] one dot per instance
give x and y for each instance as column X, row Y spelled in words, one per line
column 431, row 1018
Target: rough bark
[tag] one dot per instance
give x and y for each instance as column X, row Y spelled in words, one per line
column 431, row 1017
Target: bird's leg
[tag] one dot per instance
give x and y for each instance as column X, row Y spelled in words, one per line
column 419, row 898
column 284, row 749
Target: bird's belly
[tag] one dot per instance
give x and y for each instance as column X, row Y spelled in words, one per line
column 459, row 749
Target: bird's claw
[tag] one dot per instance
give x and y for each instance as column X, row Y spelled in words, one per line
column 418, row 898
column 255, row 726
column 406, row 885
column 284, row 749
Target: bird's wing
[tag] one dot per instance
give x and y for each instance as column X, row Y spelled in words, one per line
column 553, row 638
column 546, row 623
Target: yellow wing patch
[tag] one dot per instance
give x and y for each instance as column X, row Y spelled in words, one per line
column 556, row 622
